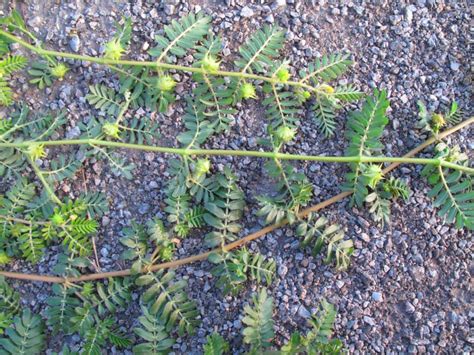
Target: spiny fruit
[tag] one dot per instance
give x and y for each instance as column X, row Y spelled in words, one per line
column 165, row 83
column 247, row 91
column 59, row 70
column 114, row 49
column 285, row 133
column 111, row 129
column 283, row 75
column 36, row 151
column 210, row 63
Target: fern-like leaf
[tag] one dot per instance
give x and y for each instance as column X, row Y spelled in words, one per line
column 326, row 68
column 152, row 331
column 168, row 300
column 452, row 190
column 104, row 99
column 213, row 92
column 25, row 337
column 364, row 130
column 180, row 36
column 215, row 345
column 12, row 63
column 260, row 48
column 322, row 324
column 259, row 330
column 6, row 95
column 317, row 233
column 61, row 308
column 9, row 304
column 324, row 116
column 224, row 212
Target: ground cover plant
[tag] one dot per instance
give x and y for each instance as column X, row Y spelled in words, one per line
column 199, row 196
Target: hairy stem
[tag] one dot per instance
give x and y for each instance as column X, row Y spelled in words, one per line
column 153, row 64
column 238, row 243
column 46, row 185
column 246, row 153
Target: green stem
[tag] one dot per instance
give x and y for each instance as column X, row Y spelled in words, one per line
column 242, row 153
column 46, row 185
column 153, row 64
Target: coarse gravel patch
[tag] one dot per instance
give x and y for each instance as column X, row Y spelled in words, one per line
column 408, row 287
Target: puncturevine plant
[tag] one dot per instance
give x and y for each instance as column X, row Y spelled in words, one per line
column 34, row 216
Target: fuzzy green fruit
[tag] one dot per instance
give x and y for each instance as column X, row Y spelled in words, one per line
column 247, row 91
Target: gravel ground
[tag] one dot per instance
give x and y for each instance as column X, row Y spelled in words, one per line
column 408, row 288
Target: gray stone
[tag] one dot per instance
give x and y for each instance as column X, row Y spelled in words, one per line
column 454, row 66
column 169, row 9
column 75, row 43
column 303, row 312
column 246, row 12
column 369, row 320
column 282, row 270
column 377, row 296
column 409, row 307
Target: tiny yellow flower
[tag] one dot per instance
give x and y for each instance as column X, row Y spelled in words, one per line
column 114, row 49
column 165, row 83
column 59, row 71
column 247, row 91
column 111, row 129
column 438, row 120
column 36, row 151
column 327, row 88
column 285, row 133
column 210, row 63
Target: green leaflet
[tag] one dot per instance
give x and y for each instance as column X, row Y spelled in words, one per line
column 317, row 233
column 154, row 338
column 259, row 330
column 224, row 212
column 25, row 337
column 216, row 345
column 168, row 301
column 364, row 129
column 452, row 191
column 180, row 35
column 9, row 304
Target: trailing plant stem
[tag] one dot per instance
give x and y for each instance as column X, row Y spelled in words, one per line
column 236, row 244
column 245, row 153
column 153, row 64
column 46, row 185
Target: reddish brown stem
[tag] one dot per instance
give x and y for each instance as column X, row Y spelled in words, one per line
column 237, row 243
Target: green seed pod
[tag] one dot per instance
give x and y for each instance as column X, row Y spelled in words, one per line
column 210, row 64
column 114, row 49
column 57, row 219
column 247, row 91
column 165, row 83
column 283, row 75
column 59, row 71
column 36, row 151
column 285, row 133
column 111, row 129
